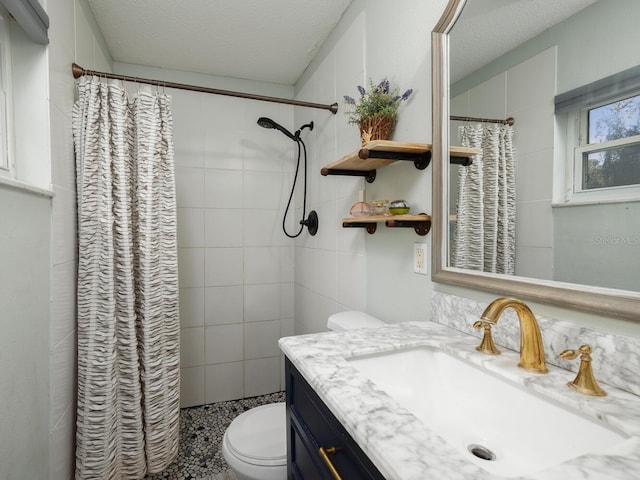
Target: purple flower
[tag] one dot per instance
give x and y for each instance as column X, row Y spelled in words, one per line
column 406, row 94
column 395, row 99
column 362, row 90
column 384, row 84
column 349, row 100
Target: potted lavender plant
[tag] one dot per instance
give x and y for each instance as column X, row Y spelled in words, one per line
column 376, row 110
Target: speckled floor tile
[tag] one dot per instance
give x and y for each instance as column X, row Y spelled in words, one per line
column 201, row 432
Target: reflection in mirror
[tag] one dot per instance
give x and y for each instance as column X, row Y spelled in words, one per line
column 550, row 208
column 554, row 197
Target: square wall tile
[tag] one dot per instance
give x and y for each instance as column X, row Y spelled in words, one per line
column 286, row 300
column 326, row 273
column 532, row 82
column 63, row 304
column 224, row 382
column 488, row 100
column 264, row 190
column 190, row 187
column 261, row 339
column 64, row 226
column 261, row 302
column 223, row 266
column 192, row 347
column 352, row 280
column 263, row 228
column 191, row 267
column 191, row 303
column 63, row 380
column 223, row 227
column 190, row 227
column 262, row 376
column 223, row 188
column 223, row 344
column 224, row 150
column 188, row 131
column 191, row 386
column 261, row 265
column 222, row 114
column 224, row 305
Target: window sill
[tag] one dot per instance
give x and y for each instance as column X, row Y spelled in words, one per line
column 585, row 203
column 17, row 185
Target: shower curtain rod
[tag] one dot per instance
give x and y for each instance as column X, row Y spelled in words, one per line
column 78, row 71
column 509, row 121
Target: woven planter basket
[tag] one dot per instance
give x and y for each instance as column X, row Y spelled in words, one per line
column 376, row 128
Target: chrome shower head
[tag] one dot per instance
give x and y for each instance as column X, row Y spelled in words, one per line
column 265, row 122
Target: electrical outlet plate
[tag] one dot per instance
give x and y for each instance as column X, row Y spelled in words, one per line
column 420, row 258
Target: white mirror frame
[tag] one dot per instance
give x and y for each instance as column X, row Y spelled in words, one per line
column 605, row 301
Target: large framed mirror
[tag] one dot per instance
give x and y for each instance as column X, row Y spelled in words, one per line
column 564, row 227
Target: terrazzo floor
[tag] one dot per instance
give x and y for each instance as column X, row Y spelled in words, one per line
column 201, row 432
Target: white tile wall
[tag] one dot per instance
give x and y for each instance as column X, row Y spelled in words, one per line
column 261, row 339
column 192, row 347
column 262, row 302
column 224, row 381
column 262, row 375
column 223, row 266
column 192, row 382
column 192, row 307
column 236, row 266
column 224, row 343
column 224, row 305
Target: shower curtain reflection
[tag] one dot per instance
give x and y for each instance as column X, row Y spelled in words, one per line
column 484, row 234
column 128, row 326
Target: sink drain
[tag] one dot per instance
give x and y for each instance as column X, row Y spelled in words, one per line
column 481, row 452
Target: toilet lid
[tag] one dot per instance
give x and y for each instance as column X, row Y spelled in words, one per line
column 259, row 436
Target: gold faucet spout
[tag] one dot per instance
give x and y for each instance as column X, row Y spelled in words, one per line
column 531, row 347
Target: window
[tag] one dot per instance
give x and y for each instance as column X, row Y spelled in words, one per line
column 608, row 154
column 6, row 158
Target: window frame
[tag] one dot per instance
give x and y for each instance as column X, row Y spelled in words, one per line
column 577, row 146
column 7, row 157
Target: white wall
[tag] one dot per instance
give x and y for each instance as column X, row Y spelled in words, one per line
column 333, row 272
column 24, row 342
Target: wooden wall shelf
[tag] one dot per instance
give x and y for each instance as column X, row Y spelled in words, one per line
column 421, row 223
column 380, row 153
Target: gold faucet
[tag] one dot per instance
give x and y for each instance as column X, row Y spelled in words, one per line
column 531, row 348
column 584, row 382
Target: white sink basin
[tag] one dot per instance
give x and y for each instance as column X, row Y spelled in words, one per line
column 476, row 411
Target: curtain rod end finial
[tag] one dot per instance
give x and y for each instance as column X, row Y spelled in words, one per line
column 77, row 70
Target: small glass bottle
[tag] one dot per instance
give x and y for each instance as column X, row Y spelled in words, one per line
column 380, row 207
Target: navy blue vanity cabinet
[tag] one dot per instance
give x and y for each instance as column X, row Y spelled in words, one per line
column 311, row 430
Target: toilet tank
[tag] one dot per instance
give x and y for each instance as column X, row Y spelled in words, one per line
column 351, row 320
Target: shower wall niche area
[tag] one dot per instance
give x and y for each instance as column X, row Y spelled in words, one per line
column 235, row 265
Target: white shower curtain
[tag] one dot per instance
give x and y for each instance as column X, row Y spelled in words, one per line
column 484, row 237
column 128, row 327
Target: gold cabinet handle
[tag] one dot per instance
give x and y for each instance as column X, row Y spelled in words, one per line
column 324, row 453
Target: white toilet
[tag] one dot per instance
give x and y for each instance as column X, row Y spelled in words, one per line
column 255, row 444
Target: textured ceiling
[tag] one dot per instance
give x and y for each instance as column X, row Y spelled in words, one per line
column 487, row 29
column 265, row 40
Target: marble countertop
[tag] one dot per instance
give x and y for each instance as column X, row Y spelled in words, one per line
column 403, row 448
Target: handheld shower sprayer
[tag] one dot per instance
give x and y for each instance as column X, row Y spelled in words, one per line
column 265, row 122
column 312, row 221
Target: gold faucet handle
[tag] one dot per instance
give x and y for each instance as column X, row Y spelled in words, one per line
column 584, row 382
column 486, row 345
